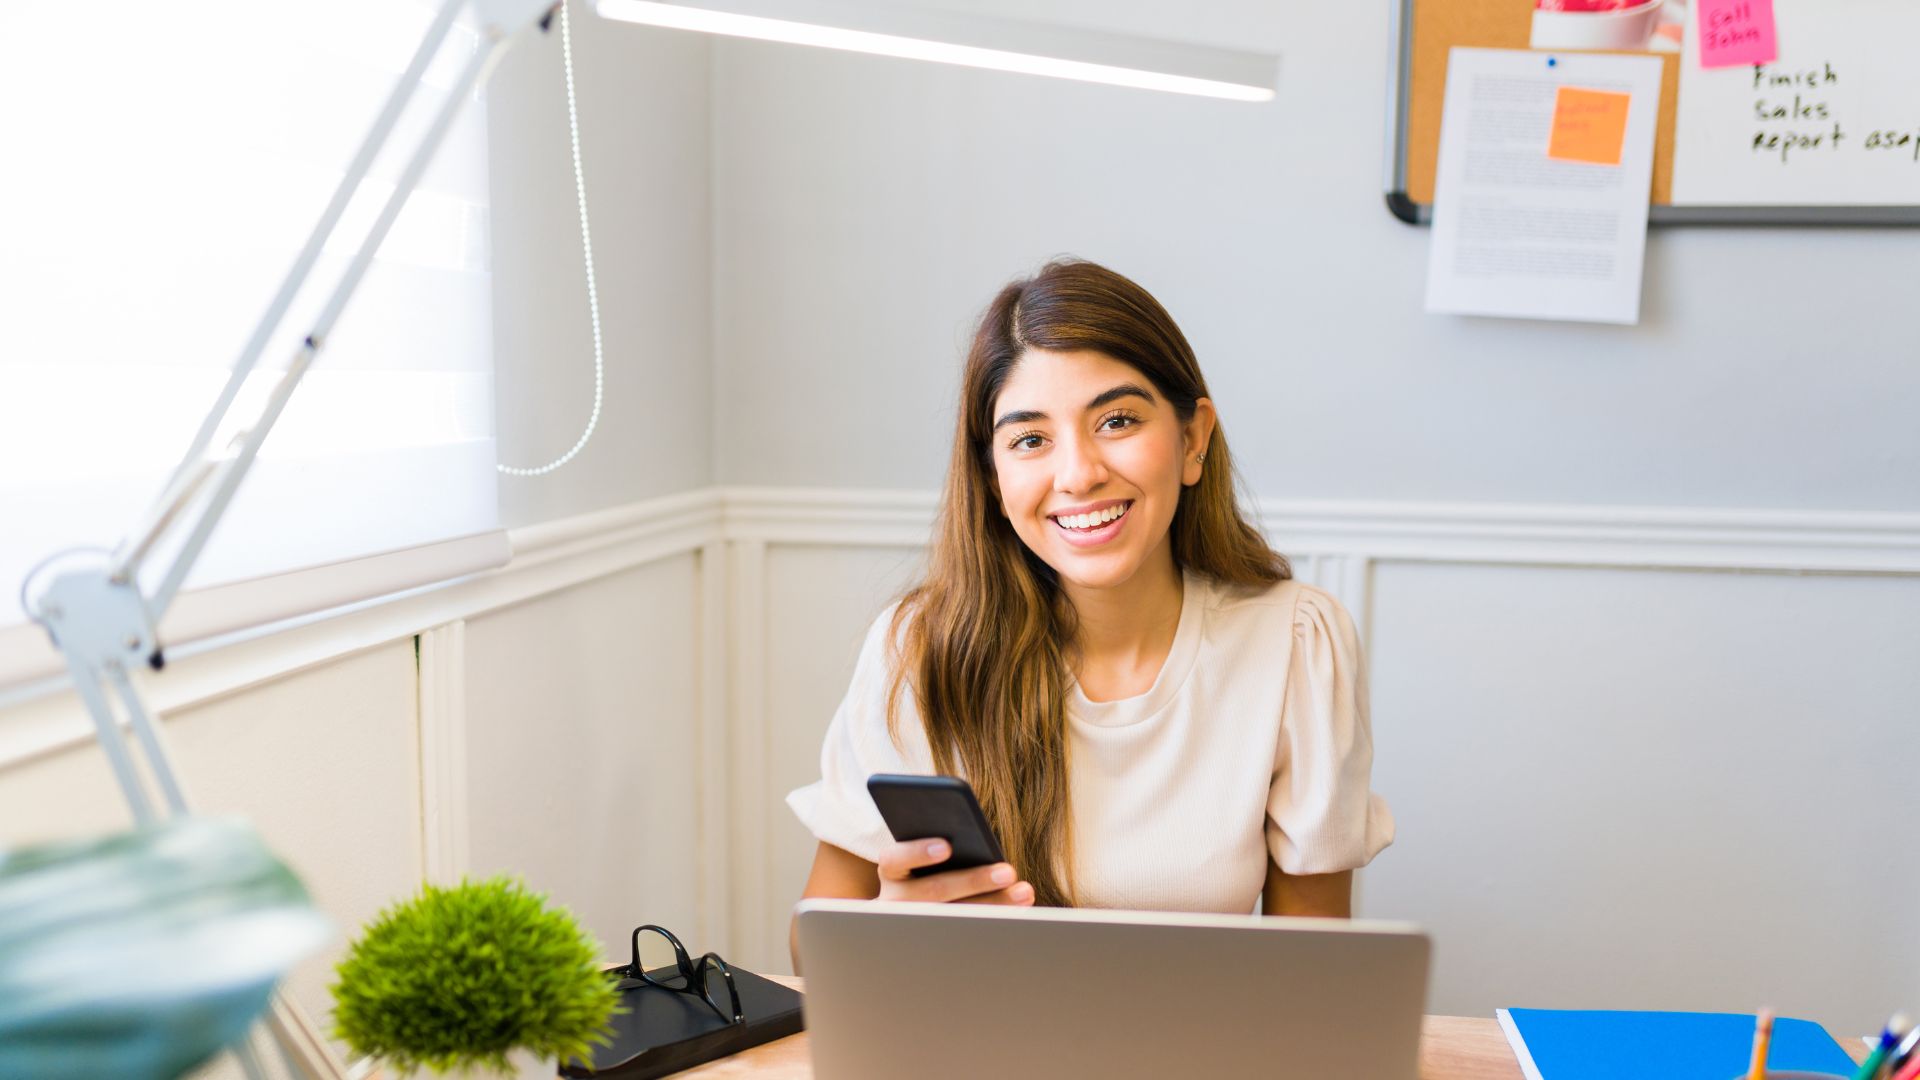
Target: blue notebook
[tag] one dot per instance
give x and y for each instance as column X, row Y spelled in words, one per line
column 1555, row 1044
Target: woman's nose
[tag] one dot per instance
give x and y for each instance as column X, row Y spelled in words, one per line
column 1081, row 467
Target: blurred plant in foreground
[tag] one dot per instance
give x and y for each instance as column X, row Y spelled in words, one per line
column 143, row 954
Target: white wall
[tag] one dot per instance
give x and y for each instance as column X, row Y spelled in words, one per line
column 819, row 602
column 644, row 128
column 866, row 209
column 584, row 748
column 1650, row 789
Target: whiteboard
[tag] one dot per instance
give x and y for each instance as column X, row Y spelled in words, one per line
column 1834, row 122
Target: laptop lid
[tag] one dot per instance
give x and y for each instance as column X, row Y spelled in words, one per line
column 938, row 991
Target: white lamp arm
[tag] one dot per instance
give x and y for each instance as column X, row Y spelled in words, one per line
column 96, row 613
column 94, row 610
column 203, row 484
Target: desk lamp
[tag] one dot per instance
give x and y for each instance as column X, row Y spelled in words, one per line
column 95, row 606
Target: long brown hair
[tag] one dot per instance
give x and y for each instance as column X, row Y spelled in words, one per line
column 984, row 641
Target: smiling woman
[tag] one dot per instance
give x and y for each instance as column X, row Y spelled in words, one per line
column 1152, row 713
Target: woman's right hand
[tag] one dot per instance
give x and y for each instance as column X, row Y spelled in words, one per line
column 993, row 884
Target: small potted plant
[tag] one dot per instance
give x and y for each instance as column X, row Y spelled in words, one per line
column 456, row 977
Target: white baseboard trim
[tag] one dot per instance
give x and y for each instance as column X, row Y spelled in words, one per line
column 835, row 517
column 1794, row 541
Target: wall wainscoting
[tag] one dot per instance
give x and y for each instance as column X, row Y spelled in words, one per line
column 733, row 541
column 1340, row 547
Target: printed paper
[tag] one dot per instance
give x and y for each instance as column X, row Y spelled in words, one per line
column 1517, row 233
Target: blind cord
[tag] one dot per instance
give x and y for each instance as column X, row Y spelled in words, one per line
column 586, row 243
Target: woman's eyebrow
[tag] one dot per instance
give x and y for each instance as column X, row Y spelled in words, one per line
column 1023, row 416
column 1105, row 397
column 1118, row 392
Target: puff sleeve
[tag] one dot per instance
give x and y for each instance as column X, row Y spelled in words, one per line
column 836, row 808
column 1322, row 815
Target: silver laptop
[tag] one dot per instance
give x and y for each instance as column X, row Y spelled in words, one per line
column 937, row 991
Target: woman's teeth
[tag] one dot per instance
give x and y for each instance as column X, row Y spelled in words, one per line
column 1095, row 519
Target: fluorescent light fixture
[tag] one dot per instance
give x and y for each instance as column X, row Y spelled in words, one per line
column 888, row 28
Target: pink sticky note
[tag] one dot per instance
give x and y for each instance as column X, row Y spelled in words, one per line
column 1734, row 32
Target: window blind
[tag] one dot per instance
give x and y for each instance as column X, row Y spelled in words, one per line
column 165, row 161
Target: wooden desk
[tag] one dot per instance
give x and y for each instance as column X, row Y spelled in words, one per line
column 1451, row 1048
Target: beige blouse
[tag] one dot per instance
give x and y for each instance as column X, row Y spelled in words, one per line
column 1252, row 744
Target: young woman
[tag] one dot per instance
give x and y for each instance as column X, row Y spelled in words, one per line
column 1151, row 712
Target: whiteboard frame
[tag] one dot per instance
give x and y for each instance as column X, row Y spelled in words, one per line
column 1402, row 206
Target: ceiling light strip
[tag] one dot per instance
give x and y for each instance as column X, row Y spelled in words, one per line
column 683, row 17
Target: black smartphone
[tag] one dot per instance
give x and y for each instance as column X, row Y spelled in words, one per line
column 923, row 807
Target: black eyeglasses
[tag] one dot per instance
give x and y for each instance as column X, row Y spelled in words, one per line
column 708, row 978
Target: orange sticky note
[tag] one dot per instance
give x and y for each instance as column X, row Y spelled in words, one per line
column 1589, row 126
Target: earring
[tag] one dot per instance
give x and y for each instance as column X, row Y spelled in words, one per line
column 1199, row 459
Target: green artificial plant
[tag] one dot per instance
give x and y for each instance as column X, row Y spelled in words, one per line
column 456, row 977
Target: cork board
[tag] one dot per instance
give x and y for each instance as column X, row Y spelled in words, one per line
column 1439, row 25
